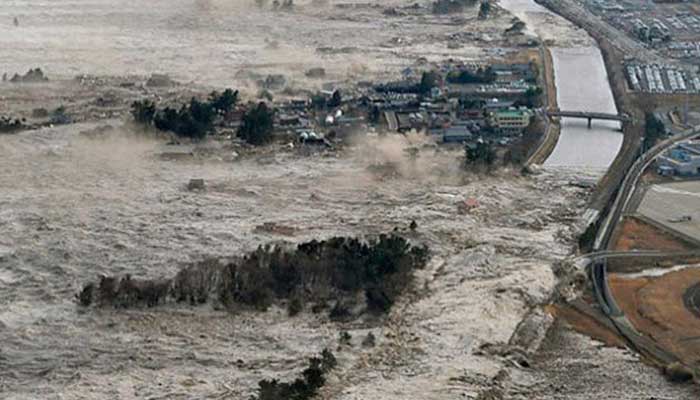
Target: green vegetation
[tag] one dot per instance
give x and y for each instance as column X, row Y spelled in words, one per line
column 304, row 388
column 257, row 125
column 334, row 270
column 193, row 120
column 10, row 125
column 466, row 76
column 654, row 130
column 484, row 9
column 143, row 111
column 428, row 81
column 532, row 97
column 481, row 153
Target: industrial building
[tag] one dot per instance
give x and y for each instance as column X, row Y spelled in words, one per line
column 681, row 160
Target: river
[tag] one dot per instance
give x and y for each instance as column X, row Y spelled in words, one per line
column 582, row 85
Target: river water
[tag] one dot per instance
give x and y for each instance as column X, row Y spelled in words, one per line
column 582, row 85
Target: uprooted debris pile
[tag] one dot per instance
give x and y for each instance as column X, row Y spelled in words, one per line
column 313, row 378
column 319, row 272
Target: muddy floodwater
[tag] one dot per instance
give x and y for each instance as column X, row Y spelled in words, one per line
column 74, row 207
column 82, row 200
column 215, row 42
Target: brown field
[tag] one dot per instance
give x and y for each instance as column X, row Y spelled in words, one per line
column 635, row 234
column 586, row 324
column 655, row 307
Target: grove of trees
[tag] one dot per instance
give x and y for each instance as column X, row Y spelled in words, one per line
column 482, row 153
column 334, row 270
column 193, row 120
column 257, row 125
column 465, row 76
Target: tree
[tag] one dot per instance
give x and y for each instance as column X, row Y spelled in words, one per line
column 653, row 131
column 481, row 153
column 225, row 101
column 166, row 119
column 143, row 111
column 466, row 76
column 257, row 125
column 336, row 100
column 484, row 9
column 532, row 94
column 428, row 81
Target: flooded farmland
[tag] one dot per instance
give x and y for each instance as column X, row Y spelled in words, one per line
column 75, row 206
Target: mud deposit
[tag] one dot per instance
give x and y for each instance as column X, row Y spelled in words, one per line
column 73, row 208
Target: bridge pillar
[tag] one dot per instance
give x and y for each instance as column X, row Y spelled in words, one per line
column 590, row 120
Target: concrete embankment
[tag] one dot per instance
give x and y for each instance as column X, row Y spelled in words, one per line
column 552, row 130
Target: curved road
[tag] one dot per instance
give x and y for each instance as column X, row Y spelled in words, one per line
column 597, row 260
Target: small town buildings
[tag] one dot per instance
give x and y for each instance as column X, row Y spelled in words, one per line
column 512, row 121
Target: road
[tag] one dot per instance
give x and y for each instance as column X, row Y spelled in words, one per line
column 629, row 185
column 597, row 261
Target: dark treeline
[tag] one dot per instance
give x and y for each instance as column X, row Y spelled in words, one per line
column 465, row 76
column 193, row 120
column 324, row 272
column 197, row 119
column 10, row 125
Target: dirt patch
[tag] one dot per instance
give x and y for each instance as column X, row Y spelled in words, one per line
column 635, row 234
column 586, row 323
column 656, row 307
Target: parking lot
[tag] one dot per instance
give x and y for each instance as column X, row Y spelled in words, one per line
column 675, row 206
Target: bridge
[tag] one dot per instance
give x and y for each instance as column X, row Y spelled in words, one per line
column 590, row 116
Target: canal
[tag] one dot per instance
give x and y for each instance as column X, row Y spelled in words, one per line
column 582, row 85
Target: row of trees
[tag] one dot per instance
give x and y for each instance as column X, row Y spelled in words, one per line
column 466, row 76
column 334, row 270
column 196, row 119
column 193, row 120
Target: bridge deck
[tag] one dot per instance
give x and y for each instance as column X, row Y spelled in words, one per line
column 588, row 115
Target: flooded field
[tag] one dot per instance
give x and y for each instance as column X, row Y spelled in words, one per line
column 218, row 42
column 75, row 206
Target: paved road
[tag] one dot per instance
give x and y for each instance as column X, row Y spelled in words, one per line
column 629, row 185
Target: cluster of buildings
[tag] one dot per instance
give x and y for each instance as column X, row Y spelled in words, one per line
column 672, row 26
column 495, row 110
column 655, row 78
column 681, row 160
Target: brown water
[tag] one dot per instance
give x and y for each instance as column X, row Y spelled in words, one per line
column 211, row 41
